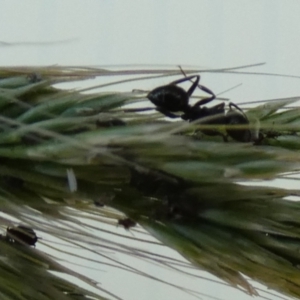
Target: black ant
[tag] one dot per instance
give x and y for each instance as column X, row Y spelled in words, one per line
column 21, row 235
column 172, row 98
column 127, row 223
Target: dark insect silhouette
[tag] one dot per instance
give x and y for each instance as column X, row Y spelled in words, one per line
column 34, row 77
column 172, row 98
column 127, row 223
column 22, row 235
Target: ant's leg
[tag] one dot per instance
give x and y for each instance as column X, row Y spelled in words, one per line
column 193, row 86
column 167, row 113
column 206, row 100
column 186, row 79
column 208, row 91
column 238, row 108
column 203, row 88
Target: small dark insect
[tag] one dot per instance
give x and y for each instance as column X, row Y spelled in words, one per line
column 21, row 235
column 172, row 98
column 98, row 203
column 238, row 117
column 34, row 77
column 127, row 223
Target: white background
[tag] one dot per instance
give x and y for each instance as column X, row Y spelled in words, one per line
column 206, row 34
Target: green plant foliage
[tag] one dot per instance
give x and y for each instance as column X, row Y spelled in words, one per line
column 62, row 151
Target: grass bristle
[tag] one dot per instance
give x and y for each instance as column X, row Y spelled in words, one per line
column 66, row 155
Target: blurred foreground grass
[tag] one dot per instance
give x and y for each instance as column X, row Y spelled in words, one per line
column 67, row 154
